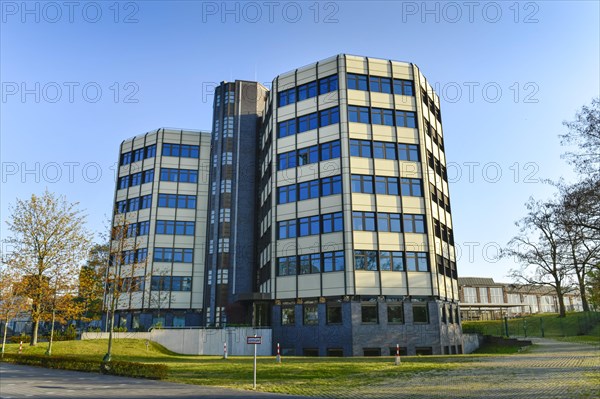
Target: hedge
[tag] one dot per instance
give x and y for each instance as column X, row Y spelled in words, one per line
column 126, row 369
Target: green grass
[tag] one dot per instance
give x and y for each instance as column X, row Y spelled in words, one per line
column 294, row 375
column 574, row 324
column 495, row 349
column 591, row 338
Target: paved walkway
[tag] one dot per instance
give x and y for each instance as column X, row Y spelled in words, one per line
column 551, row 370
column 18, row 381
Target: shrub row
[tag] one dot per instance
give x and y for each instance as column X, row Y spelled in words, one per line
column 126, row 369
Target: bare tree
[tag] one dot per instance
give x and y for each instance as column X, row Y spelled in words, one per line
column 538, row 249
column 584, row 132
column 49, row 242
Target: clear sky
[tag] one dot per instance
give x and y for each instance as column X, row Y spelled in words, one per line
column 80, row 77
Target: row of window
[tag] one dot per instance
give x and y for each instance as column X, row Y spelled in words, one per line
column 384, row 150
column 437, row 166
column 131, row 230
column 369, row 313
column 439, row 198
column 388, row 222
column 177, row 201
column 170, row 283
column 129, row 257
column 134, row 204
column 430, row 105
column 380, row 84
column 391, row 261
column 431, row 132
column 310, row 225
column 135, row 179
column 138, row 155
column 177, row 255
column 444, row 232
column 309, row 189
column 308, row 122
column 368, row 184
column 311, row 263
column 308, row 155
column 179, row 175
column 381, row 116
column 180, row 150
column 177, row 227
column 308, row 90
column 446, row 267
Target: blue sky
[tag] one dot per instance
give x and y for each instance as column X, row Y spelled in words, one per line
column 78, row 78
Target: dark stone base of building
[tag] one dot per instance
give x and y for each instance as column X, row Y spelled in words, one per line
column 143, row 320
column 367, row 329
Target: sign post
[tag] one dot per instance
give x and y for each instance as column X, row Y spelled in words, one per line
column 256, row 340
column 397, row 361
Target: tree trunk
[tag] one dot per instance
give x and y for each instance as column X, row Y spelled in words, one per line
column 4, row 335
column 34, row 332
column 584, row 301
column 49, row 350
column 561, row 304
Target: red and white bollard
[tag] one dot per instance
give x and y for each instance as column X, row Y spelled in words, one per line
column 278, row 357
column 224, row 350
column 21, row 347
column 397, row 361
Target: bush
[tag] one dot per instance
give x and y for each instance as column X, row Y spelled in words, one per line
column 15, row 339
column 473, row 329
column 125, row 369
column 120, row 329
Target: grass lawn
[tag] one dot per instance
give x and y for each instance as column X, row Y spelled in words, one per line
column 574, row 324
column 309, row 376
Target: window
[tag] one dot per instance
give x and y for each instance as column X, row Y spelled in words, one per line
column 311, row 314
column 379, row 84
column 332, row 222
column 362, row 184
column 395, row 313
column 133, row 204
column 175, row 227
column 225, row 215
column 135, row 179
column 176, row 201
column 497, row 295
column 307, row 122
column 360, row 148
column 411, row 187
column 386, row 185
column 369, row 313
column 333, row 261
column 229, row 97
column 179, row 283
column 286, row 194
column 225, row 186
column 358, row 114
column 307, row 155
column 148, row 176
column 414, row 223
column 287, row 229
column 380, row 116
column 470, row 295
column 287, row 128
column 286, row 266
column 223, row 245
column 177, row 255
column 150, row 151
column 228, row 126
column 363, row 221
column 365, row 260
column 391, row 261
column 180, row 150
column 307, row 90
column 226, row 158
column 406, row 119
column 308, row 226
column 389, row 222
column 357, row 82
column 328, row 84
column 334, row 313
column 417, row 262
column 287, row 97
column 146, row 201
column 329, row 116
column 403, row 87
column 408, row 152
column 384, row 150
column 160, row 283
column 310, row 263
column 330, row 150
column 288, row 316
column 307, row 190
column 420, row 313
column 121, row 206
column 125, row 158
column 123, row 182
column 286, row 160
column 331, row 185
column 179, row 175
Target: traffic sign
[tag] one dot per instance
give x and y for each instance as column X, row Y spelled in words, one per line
column 254, row 340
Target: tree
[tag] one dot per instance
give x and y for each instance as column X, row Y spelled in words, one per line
column 11, row 303
column 91, row 283
column 538, row 247
column 584, row 132
column 48, row 242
